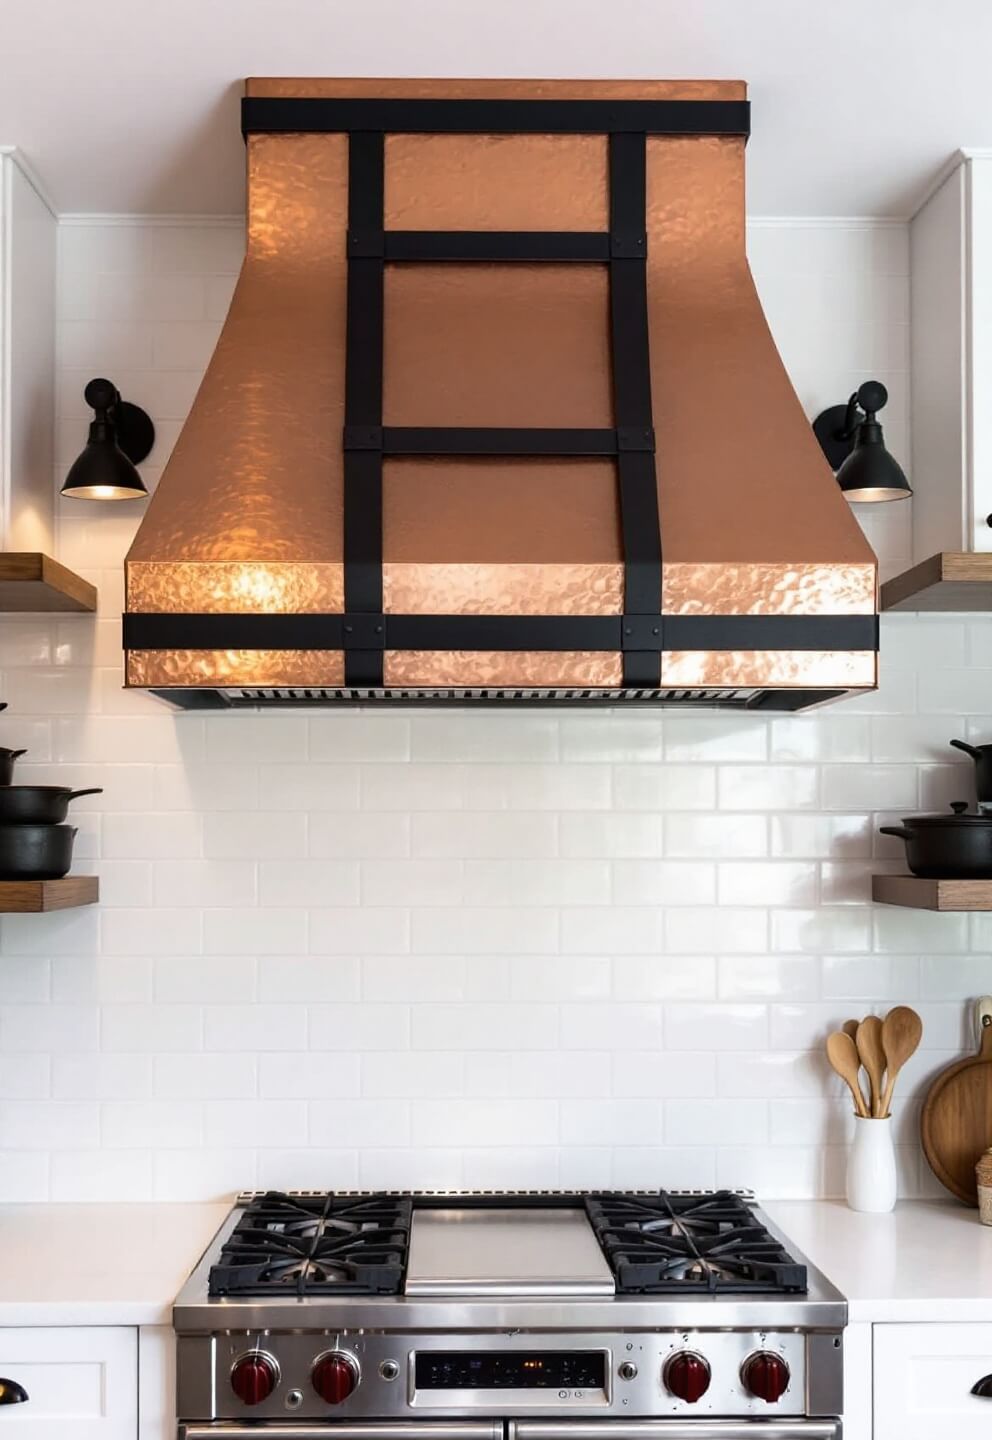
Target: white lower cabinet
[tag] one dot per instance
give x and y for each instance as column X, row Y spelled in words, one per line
column 81, row 1382
column 923, row 1377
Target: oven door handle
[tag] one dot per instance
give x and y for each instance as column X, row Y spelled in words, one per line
column 345, row 1430
column 798, row 1429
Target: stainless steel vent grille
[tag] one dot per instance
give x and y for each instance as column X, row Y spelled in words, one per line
column 319, row 696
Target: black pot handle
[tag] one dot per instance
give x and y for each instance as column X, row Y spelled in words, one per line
column 968, row 749
column 75, row 794
column 11, row 1393
column 15, row 754
column 899, row 831
column 983, row 1387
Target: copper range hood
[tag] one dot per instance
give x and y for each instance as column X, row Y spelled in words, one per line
column 496, row 416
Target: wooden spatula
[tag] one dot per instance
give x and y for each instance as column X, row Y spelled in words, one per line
column 872, row 1056
column 843, row 1056
column 902, row 1030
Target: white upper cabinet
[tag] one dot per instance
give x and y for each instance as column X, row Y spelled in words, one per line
column 27, row 359
column 951, row 287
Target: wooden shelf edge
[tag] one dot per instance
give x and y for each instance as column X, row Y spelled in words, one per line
column 33, row 583
column 918, row 894
column 952, row 580
column 31, row 897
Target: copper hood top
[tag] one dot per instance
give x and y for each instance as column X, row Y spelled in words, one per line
column 496, row 414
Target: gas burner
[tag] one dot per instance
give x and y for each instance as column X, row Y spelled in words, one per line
column 679, row 1243
column 312, row 1245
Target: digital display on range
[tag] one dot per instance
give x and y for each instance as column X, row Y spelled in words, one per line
column 511, row 1370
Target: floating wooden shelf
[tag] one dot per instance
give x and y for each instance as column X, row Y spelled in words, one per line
column 917, row 894
column 952, row 580
column 31, row 583
column 22, row 897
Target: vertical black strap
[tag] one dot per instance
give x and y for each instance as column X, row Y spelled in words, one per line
column 363, row 397
column 640, row 526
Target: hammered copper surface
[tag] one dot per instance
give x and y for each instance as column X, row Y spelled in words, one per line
column 502, row 667
column 765, row 589
column 502, row 589
column 741, row 478
column 195, row 587
column 192, row 668
column 256, row 474
column 472, row 182
column 779, row 669
column 497, row 345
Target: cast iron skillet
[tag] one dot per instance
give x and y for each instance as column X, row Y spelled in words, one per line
column 947, row 847
column 38, row 804
column 35, row 852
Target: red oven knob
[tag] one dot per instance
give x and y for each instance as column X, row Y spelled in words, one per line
column 254, row 1376
column 334, row 1376
column 687, row 1376
column 765, row 1375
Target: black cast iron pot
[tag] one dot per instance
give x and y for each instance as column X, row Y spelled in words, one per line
column 35, row 852
column 38, row 804
column 947, row 847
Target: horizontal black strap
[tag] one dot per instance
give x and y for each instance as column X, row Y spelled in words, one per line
column 500, row 632
column 493, row 440
column 496, row 245
column 273, row 114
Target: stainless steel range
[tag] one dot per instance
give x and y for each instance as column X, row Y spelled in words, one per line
column 491, row 1316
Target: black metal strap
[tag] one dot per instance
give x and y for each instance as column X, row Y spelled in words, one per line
column 272, row 115
column 555, row 246
column 500, row 440
column 363, row 399
column 640, row 527
column 631, row 634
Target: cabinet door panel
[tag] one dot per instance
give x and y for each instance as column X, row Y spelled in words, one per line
column 923, row 1375
column 81, row 1383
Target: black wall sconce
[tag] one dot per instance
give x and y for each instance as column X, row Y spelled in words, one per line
column 851, row 439
column 120, row 437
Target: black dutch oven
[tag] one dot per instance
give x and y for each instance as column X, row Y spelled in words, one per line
column 38, row 804
column 947, row 847
column 35, row 852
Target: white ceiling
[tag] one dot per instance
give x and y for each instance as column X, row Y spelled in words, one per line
column 132, row 105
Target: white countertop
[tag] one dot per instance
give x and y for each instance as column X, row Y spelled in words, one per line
column 99, row 1264
column 930, row 1260
column 93, row 1264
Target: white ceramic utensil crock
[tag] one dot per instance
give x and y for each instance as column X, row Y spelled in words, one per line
column 871, row 1167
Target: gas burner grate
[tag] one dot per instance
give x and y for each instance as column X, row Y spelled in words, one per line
column 315, row 1245
column 686, row 1244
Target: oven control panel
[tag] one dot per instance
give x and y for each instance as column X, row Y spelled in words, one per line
column 361, row 1375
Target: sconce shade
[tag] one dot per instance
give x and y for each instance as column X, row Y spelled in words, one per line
column 870, row 473
column 119, row 435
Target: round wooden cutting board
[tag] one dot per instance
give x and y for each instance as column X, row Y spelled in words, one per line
column 956, row 1125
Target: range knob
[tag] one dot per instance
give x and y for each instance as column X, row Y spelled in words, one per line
column 254, row 1376
column 765, row 1375
column 334, row 1376
column 687, row 1376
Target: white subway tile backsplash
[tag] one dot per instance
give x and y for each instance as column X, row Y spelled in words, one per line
column 583, row 948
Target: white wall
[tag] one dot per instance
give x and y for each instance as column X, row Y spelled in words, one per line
column 468, row 948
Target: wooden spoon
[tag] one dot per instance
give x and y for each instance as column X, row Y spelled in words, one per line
column 902, row 1030
column 869, row 1043
column 850, row 1027
column 843, row 1056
